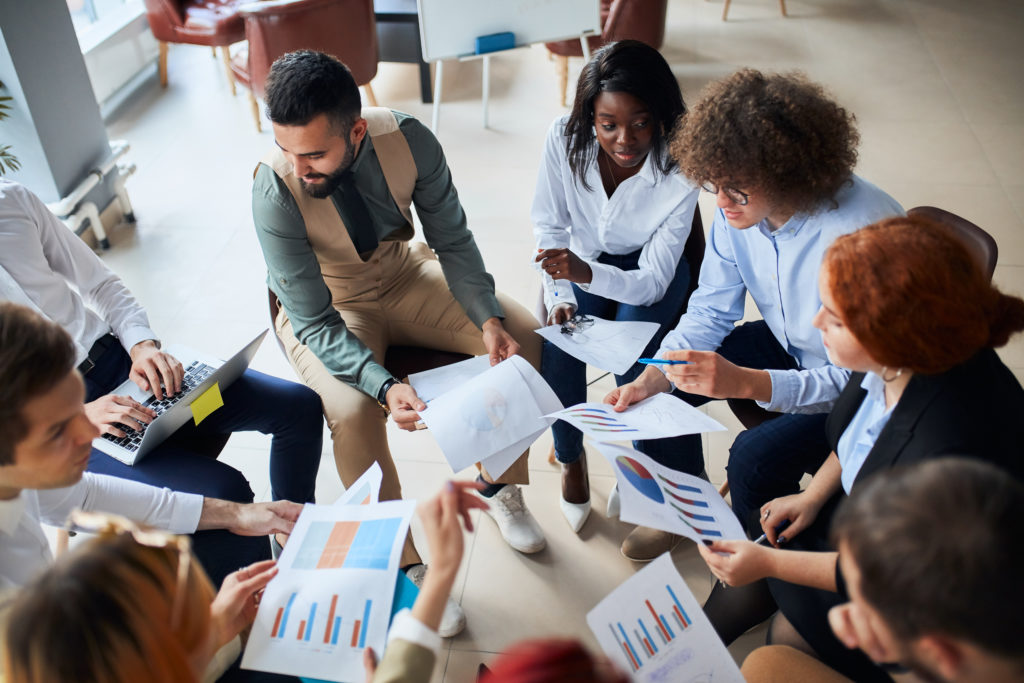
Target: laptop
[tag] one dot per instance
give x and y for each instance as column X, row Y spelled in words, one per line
column 201, row 372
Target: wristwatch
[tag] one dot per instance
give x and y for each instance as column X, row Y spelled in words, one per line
column 383, row 393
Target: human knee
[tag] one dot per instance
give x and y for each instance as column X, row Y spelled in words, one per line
column 228, row 484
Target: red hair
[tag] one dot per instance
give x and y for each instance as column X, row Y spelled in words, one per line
column 913, row 296
column 551, row 660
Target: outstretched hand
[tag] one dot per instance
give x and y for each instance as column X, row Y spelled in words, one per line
column 235, row 606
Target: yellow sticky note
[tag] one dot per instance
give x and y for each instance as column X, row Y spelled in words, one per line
column 206, row 403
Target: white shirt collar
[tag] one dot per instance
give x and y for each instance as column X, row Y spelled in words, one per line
column 11, row 512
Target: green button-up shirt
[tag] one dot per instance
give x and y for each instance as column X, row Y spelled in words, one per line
column 293, row 272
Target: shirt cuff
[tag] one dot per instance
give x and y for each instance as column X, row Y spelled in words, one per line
column 131, row 336
column 185, row 513
column 784, row 390
column 372, row 378
column 407, row 627
column 601, row 279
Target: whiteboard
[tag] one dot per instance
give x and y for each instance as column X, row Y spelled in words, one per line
column 449, row 28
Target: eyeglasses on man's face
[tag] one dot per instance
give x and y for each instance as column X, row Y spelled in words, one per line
column 734, row 195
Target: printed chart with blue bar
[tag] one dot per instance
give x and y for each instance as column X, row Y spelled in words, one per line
column 652, row 626
column 333, row 594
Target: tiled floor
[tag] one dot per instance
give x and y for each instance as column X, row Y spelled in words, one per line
column 941, row 113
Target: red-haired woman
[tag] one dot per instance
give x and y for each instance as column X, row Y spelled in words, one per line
column 551, row 660
column 912, row 314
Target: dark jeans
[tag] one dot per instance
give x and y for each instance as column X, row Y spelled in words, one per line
column 187, row 461
column 767, row 461
column 568, row 375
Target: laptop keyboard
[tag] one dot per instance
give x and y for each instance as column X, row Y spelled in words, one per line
column 194, row 376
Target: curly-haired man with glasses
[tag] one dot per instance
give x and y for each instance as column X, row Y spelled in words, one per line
column 778, row 154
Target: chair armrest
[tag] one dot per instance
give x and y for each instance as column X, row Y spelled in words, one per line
column 270, row 8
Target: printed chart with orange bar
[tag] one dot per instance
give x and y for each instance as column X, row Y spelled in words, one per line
column 332, row 596
column 652, row 626
column 655, row 496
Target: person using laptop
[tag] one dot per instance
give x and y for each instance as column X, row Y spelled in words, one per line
column 332, row 208
column 44, row 266
column 46, row 443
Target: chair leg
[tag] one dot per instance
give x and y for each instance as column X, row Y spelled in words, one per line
column 562, row 69
column 371, row 98
column 162, row 64
column 724, row 490
column 226, row 56
column 255, row 112
column 725, row 10
column 782, row 6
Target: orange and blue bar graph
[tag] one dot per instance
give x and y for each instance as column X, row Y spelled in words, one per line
column 332, row 627
column 639, row 644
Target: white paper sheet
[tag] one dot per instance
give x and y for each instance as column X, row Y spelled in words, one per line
column 365, row 490
column 432, row 383
column 487, row 414
column 658, row 417
column 332, row 596
column 611, row 345
column 652, row 627
column 655, row 496
column 546, row 401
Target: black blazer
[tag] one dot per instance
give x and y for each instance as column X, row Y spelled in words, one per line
column 974, row 410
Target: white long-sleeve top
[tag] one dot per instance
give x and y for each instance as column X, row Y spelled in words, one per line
column 61, row 276
column 650, row 210
column 24, row 550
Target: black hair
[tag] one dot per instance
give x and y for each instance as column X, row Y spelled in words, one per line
column 304, row 84
column 631, row 67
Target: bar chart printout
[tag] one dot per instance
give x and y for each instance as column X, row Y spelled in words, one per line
column 652, row 627
column 332, row 596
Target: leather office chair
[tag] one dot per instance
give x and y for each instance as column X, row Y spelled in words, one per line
column 979, row 243
column 642, row 20
column 725, row 9
column 400, row 361
column 346, row 29
column 215, row 23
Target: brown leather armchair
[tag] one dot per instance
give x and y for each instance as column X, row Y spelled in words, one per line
column 346, row 29
column 215, row 23
column 642, row 20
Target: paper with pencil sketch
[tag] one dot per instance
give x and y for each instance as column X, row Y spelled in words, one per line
column 365, row 490
column 493, row 417
column 654, row 628
column 611, row 345
column 655, row 496
column 658, row 417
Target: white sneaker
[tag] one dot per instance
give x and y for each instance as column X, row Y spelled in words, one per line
column 613, row 502
column 454, row 618
column 518, row 527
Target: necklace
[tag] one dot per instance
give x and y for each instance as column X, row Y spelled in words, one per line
column 611, row 171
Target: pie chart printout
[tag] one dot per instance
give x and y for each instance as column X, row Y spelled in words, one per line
column 640, row 478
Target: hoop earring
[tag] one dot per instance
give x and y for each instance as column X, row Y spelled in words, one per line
column 899, row 371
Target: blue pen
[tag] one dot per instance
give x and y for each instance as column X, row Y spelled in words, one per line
column 662, row 361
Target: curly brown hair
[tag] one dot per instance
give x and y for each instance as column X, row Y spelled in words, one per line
column 778, row 133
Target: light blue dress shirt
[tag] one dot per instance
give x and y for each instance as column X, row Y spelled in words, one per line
column 860, row 435
column 780, row 270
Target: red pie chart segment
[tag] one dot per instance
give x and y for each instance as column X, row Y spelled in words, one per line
column 640, row 478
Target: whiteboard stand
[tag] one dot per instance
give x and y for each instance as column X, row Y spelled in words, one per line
column 435, row 118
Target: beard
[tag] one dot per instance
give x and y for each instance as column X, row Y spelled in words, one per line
column 331, row 181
